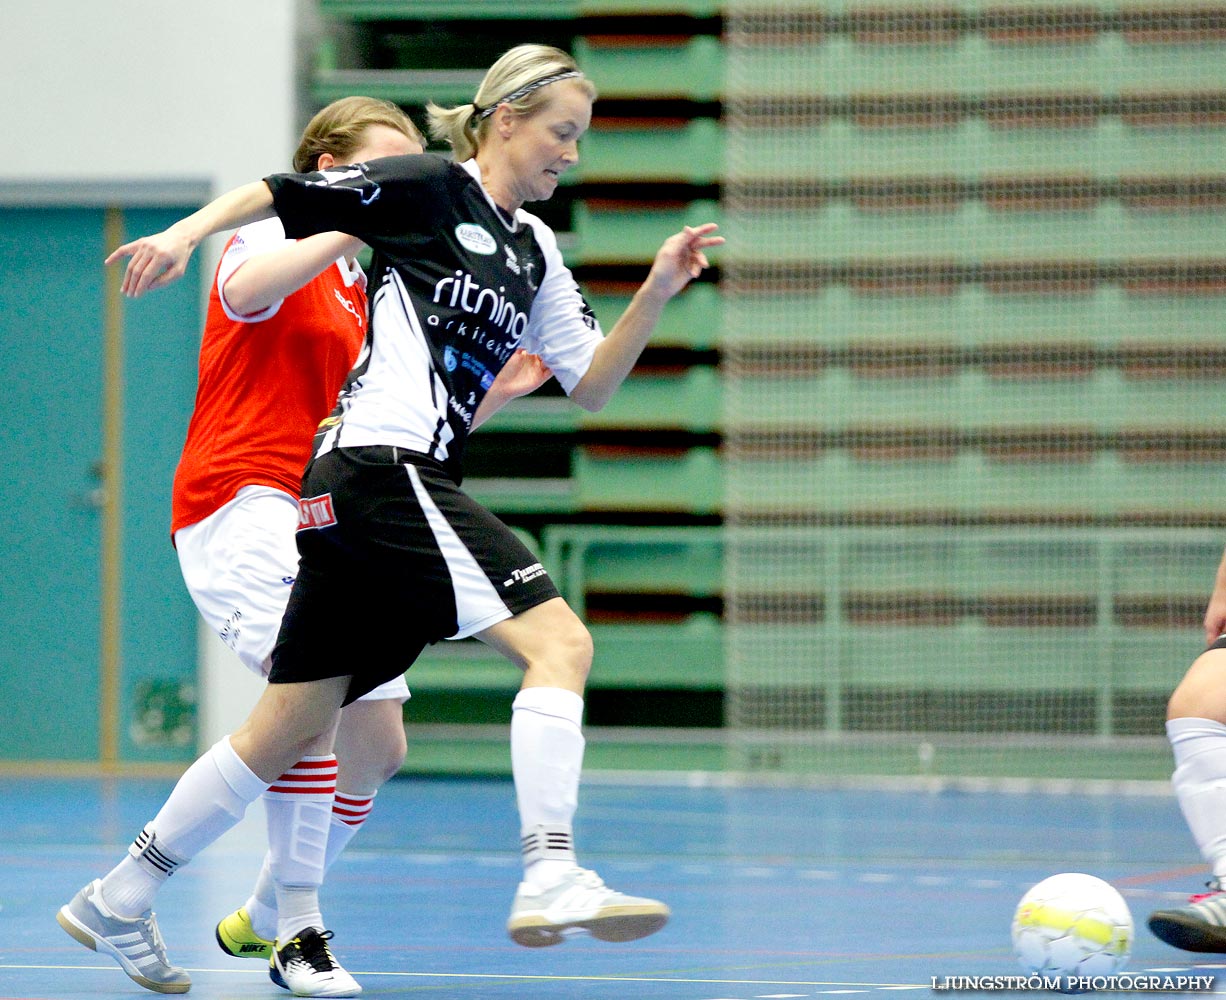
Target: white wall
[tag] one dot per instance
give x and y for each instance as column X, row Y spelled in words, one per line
column 150, row 91
column 144, row 89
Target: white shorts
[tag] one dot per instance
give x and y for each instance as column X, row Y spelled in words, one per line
column 239, row 564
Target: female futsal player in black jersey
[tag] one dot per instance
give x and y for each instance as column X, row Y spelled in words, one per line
column 394, row 555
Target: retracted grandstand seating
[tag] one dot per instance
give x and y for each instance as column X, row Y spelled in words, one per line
column 978, row 290
column 622, row 505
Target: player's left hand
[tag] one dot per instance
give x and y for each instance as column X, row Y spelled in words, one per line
column 153, row 261
column 681, row 258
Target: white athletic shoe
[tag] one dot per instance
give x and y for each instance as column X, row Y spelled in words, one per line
column 1199, row 926
column 136, row 944
column 581, row 902
column 307, row 966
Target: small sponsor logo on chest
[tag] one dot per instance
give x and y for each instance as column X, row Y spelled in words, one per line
column 316, row 512
column 473, row 237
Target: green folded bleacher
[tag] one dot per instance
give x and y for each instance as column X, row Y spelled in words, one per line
column 603, row 558
column 481, row 10
column 693, row 319
column 668, row 481
column 651, row 150
column 972, row 146
column 984, row 297
column 969, row 232
column 974, row 64
column 681, row 399
column 970, row 315
column 966, row 483
column 647, row 67
column 631, row 233
column 975, row 398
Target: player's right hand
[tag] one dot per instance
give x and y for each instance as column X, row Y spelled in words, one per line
column 154, row 261
column 523, row 373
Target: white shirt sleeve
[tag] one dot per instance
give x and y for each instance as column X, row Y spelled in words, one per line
column 256, row 238
column 562, row 329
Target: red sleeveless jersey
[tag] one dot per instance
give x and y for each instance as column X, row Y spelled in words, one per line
column 265, row 381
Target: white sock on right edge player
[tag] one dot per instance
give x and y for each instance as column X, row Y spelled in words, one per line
column 1199, row 781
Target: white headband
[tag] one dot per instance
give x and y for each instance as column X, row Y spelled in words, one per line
column 480, row 113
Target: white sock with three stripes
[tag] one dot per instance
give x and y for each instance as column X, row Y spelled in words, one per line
column 208, row 800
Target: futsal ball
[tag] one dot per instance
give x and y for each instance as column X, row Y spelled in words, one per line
column 1072, row 926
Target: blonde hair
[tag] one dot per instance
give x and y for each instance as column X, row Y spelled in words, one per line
column 340, row 129
column 464, row 128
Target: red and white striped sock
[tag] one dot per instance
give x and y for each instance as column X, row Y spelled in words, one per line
column 352, row 810
column 349, row 812
column 299, row 808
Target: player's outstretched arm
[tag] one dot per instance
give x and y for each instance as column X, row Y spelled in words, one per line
column 523, row 373
column 156, row 261
column 679, row 261
column 1215, row 613
column 268, row 277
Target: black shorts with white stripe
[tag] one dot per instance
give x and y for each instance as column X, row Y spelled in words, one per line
column 394, row 556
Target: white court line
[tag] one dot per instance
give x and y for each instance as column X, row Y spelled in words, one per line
column 845, row 987
column 516, row 976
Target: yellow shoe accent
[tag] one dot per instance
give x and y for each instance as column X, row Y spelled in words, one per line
column 236, row 937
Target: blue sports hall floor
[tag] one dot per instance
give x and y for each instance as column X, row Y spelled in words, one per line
column 777, row 892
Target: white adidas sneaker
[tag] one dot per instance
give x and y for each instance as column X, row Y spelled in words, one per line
column 136, row 944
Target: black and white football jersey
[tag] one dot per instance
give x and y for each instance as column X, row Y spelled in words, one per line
column 456, row 286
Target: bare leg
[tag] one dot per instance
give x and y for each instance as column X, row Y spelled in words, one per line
column 370, row 747
column 548, row 643
column 370, row 744
column 289, row 722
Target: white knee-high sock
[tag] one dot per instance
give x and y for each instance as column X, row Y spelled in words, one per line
column 261, row 906
column 1200, row 784
column 207, row 801
column 299, row 806
column 546, row 760
column 349, row 812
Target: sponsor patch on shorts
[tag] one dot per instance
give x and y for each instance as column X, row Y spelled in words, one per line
column 316, row 512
